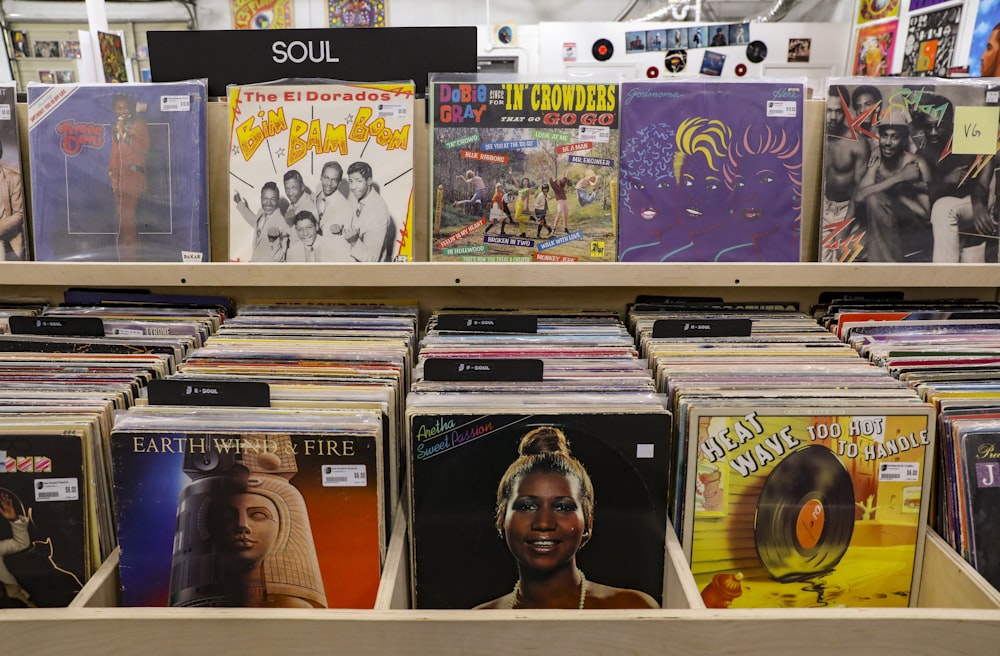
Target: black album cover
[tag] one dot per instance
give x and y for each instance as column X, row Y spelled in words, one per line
column 477, row 542
column 43, row 520
column 981, row 466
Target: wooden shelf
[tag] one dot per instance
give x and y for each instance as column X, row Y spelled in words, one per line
column 973, row 629
column 943, row 278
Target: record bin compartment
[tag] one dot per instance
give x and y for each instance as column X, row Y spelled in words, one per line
column 969, row 625
column 946, row 580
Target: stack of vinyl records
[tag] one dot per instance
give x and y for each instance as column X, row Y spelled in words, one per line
column 946, row 350
column 537, row 438
column 12, row 307
column 316, row 436
column 64, row 372
column 800, row 474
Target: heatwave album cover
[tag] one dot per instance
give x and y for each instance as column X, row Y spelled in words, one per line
column 800, row 509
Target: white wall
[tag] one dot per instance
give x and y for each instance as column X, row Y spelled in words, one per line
column 214, row 14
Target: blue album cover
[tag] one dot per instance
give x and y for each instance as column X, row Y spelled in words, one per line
column 119, row 172
column 710, row 171
column 712, row 63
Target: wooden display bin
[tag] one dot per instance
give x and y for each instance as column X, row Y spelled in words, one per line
column 957, row 613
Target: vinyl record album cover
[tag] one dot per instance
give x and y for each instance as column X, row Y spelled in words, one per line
column 930, row 42
column 13, row 219
column 711, row 172
column 873, row 49
column 321, row 171
column 793, row 508
column 980, row 468
column 523, row 171
column 119, row 172
column 43, row 519
column 253, row 519
column 474, row 537
column 909, row 170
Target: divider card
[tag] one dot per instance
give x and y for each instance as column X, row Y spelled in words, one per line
column 523, row 170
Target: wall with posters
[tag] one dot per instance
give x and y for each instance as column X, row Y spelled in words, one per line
column 215, row 14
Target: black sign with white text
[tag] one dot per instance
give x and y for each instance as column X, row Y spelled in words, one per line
column 369, row 54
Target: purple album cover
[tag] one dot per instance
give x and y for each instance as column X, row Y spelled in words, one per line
column 710, row 172
column 119, row 173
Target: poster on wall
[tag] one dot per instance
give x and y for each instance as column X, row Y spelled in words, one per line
column 983, row 59
column 930, row 42
column 873, row 10
column 112, row 57
column 262, row 14
column 873, row 49
column 356, row 13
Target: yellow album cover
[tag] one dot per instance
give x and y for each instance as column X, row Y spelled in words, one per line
column 790, row 508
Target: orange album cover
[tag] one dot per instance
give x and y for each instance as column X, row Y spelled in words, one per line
column 262, row 519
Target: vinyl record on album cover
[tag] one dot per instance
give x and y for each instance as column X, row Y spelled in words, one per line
column 805, row 515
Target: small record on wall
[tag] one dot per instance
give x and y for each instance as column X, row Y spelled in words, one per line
column 675, row 61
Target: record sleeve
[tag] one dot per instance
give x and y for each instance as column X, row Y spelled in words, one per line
column 264, row 518
column 523, row 170
column 341, row 152
column 119, row 173
column 711, row 172
column 462, row 556
column 794, row 508
column 905, row 178
column 44, row 523
column 13, row 219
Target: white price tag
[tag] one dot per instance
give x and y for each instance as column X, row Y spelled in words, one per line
column 131, row 332
column 345, row 476
column 56, row 489
column 191, row 256
column 899, row 472
column 781, row 108
column 175, row 103
column 598, row 133
column 392, row 110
